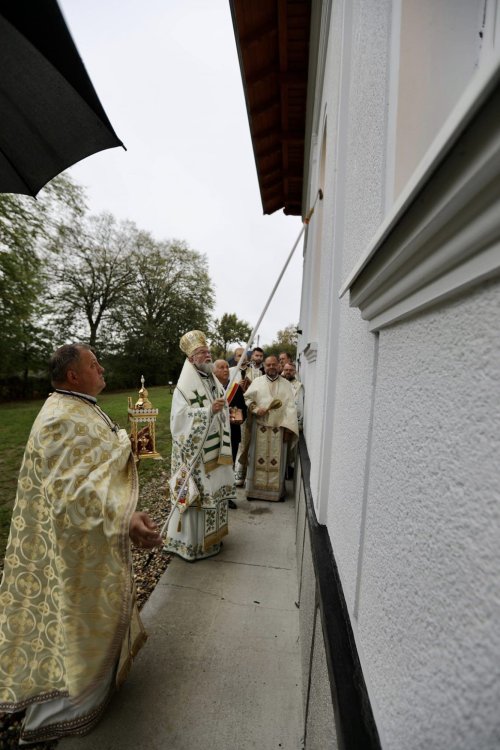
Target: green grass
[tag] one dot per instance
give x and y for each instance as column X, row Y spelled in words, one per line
column 15, row 425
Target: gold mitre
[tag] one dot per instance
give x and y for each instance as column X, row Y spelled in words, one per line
column 191, row 341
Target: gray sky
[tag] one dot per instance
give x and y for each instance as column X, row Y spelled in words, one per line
column 167, row 74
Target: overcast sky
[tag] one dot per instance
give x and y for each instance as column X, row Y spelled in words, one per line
column 167, row 74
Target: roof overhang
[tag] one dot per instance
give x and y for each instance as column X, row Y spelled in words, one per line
column 272, row 38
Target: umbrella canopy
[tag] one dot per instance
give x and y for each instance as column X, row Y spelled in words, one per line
column 50, row 115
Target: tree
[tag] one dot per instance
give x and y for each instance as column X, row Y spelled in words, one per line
column 285, row 341
column 228, row 330
column 171, row 293
column 287, row 337
column 95, row 270
column 28, row 224
column 22, row 282
column 28, row 230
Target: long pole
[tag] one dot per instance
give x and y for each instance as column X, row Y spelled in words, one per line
column 273, row 291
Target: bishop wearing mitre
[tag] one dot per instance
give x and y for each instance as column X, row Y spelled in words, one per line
column 202, row 480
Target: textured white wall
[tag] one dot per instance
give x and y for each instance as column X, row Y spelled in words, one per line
column 350, row 443
column 318, row 295
column 410, row 501
column 430, row 596
column 362, row 198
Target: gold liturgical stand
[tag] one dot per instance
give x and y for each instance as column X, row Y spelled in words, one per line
column 142, row 418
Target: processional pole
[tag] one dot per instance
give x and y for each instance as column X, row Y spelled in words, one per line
column 306, row 221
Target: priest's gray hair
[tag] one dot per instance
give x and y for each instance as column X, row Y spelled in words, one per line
column 61, row 361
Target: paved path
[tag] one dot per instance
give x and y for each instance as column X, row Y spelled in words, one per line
column 221, row 668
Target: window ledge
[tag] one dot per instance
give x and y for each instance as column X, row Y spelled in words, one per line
column 444, row 235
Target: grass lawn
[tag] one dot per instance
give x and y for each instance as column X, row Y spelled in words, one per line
column 15, row 424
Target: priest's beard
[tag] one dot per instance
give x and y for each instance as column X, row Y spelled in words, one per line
column 206, row 367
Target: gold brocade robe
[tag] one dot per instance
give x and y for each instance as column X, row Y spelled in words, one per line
column 66, row 594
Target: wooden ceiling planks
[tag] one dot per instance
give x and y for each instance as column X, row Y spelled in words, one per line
column 272, row 37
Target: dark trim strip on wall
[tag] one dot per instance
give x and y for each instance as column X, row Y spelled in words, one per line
column 355, row 725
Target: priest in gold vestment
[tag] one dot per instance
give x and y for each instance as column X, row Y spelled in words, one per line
column 202, row 464
column 271, row 403
column 69, row 626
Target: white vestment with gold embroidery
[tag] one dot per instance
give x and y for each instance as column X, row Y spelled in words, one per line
column 267, row 452
column 201, row 448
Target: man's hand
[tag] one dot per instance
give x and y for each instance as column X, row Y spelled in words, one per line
column 143, row 531
column 261, row 411
column 244, row 383
column 235, row 415
column 218, row 405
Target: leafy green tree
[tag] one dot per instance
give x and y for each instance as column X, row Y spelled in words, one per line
column 285, row 341
column 33, row 225
column 95, row 269
column 28, row 231
column 171, row 293
column 23, row 343
column 226, row 330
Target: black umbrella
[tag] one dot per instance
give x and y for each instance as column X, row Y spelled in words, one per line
column 50, row 115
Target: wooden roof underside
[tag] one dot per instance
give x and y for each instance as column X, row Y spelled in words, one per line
column 272, row 37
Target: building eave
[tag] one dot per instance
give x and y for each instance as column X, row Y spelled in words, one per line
column 272, row 39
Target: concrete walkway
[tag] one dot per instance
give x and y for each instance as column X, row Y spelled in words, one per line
column 221, row 668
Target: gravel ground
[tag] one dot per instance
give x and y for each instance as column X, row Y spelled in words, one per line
column 152, row 498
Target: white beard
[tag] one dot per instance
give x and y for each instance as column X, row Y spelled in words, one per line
column 206, row 367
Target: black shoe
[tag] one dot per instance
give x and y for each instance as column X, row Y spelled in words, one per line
column 232, row 504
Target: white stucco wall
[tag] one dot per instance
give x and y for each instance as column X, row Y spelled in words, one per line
column 340, row 379
column 402, row 431
column 430, row 595
column 363, row 212
column 318, row 298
